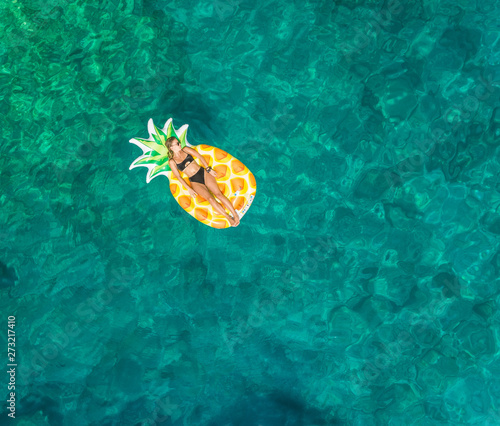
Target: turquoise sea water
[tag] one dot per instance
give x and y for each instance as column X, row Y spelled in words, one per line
column 361, row 288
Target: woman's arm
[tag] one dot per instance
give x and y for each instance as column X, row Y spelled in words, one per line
column 176, row 173
column 195, row 154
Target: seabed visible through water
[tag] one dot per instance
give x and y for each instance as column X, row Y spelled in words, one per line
column 361, row 287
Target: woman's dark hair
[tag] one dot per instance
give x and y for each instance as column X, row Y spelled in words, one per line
column 168, row 144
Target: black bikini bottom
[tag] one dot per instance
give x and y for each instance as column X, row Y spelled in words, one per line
column 199, row 176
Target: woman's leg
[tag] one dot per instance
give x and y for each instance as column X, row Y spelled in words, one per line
column 212, row 185
column 202, row 190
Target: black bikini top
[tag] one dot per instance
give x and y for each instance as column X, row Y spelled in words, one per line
column 189, row 158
